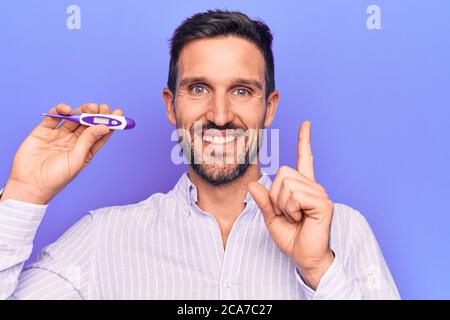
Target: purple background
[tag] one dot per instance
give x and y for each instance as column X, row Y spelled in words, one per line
column 379, row 102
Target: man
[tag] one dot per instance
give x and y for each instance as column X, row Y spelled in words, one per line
column 225, row 231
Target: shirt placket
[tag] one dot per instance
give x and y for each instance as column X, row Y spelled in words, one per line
column 229, row 276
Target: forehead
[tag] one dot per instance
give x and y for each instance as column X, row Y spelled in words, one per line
column 221, row 58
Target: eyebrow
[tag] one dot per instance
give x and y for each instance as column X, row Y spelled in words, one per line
column 250, row 82
column 191, row 80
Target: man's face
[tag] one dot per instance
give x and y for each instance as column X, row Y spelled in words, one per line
column 220, row 101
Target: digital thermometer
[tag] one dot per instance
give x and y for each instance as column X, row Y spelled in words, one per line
column 91, row 119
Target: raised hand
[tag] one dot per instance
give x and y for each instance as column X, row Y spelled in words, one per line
column 298, row 213
column 51, row 156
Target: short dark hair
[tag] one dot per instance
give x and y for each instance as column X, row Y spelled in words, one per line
column 215, row 23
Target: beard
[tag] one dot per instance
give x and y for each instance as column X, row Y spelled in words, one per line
column 222, row 172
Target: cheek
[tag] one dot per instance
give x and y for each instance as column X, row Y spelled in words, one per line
column 250, row 113
column 188, row 111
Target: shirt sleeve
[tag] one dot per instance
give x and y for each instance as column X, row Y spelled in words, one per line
column 358, row 271
column 18, row 225
column 61, row 270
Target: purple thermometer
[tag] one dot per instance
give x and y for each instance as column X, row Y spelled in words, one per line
column 91, row 119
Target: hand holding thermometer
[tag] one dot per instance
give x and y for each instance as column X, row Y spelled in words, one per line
column 112, row 121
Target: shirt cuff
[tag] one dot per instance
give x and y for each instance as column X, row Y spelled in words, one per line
column 19, row 221
column 335, row 284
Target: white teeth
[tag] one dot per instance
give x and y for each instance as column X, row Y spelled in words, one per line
column 218, row 139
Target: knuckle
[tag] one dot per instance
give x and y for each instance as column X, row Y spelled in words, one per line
column 287, row 182
column 284, row 183
column 92, row 106
column 283, row 170
column 296, row 194
column 321, row 188
column 328, row 204
column 60, row 107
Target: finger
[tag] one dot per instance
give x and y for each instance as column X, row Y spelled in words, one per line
column 275, row 188
column 81, row 153
column 103, row 108
column 90, row 108
column 103, row 140
column 283, row 173
column 70, row 126
column 287, row 172
column 63, row 109
column 281, row 230
column 294, row 208
column 293, row 184
column 262, row 199
column 85, row 108
column 308, row 203
column 283, row 197
column 284, row 201
column 305, row 163
column 52, row 123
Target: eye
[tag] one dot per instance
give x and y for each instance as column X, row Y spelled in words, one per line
column 242, row 92
column 197, row 89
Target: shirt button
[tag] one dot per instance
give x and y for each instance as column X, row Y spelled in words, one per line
column 227, row 284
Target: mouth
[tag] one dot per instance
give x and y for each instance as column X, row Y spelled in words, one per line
column 221, row 142
column 219, row 139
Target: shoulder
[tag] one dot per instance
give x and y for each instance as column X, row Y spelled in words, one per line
column 347, row 218
column 347, row 225
column 345, row 214
column 148, row 209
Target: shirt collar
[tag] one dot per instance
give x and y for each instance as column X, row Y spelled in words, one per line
column 187, row 193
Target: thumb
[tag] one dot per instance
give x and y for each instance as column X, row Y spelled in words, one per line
column 262, row 199
column 81, row 153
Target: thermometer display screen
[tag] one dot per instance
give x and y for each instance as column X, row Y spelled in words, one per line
column 98, row 120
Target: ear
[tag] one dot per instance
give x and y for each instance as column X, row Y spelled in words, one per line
column 272, row 104
column 169, row 102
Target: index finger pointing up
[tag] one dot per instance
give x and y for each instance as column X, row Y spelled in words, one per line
column 305, row 163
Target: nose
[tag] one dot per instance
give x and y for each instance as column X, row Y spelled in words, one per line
column 219, row 111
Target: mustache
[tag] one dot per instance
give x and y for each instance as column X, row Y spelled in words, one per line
column 227, row 126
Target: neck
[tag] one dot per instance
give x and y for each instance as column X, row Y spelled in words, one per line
column 224, row 202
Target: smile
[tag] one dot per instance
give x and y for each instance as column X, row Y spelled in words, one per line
column 216, row 139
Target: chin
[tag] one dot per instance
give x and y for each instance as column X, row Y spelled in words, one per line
column 222, row 174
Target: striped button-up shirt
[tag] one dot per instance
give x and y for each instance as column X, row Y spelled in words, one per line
column 166, row 247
